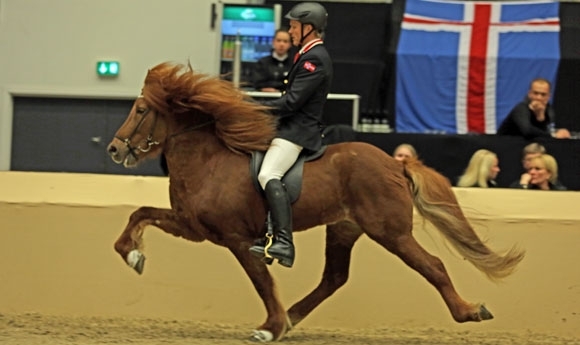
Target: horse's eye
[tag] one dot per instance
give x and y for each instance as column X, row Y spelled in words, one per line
column 141, row 111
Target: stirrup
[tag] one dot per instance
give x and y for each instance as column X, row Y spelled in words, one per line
column 268, row 259
column 269, row 243
column 264, row 255
column 269, row 237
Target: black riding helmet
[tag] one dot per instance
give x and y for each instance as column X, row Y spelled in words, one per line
column 311, row 13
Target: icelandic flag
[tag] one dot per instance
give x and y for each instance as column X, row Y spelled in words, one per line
column 462, row 65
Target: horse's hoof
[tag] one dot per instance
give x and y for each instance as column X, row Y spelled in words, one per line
column 136, row 260
column 262, row 336
column 484, row 314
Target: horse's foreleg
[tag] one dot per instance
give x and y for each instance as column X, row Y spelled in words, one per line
column 129, row 243
column 277, row 323
column 432, row 269
column 340, row 239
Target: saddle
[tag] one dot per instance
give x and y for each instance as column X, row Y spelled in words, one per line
column 293, row 177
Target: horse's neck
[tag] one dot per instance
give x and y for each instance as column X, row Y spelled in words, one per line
column 192, row 149
column 190, row 159
column 196, row 141
column 185, row 130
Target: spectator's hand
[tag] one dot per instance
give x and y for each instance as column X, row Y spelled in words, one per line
column 525, row 179
column 562, row 133
column 537, row 107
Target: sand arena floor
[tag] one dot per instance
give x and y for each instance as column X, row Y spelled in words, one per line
column 37, row 329
column 62, row 283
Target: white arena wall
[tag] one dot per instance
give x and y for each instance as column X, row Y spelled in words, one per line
column 57, row 257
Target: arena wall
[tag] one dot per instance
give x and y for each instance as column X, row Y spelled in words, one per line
column 57, row 257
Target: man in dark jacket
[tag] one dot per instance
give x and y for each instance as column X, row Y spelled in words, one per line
column 299, row 113
column 534, row 117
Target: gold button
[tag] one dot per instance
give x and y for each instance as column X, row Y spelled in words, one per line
column 285, row 81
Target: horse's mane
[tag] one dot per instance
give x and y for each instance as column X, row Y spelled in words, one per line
column 242, row 124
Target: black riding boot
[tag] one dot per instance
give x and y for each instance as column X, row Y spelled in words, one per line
column 281, row 214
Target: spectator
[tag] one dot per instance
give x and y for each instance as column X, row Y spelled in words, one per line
column 404, row 151
column 481, row 171
column 534, row 117
column 543, row 172
column 271, row 71
column 530, row 151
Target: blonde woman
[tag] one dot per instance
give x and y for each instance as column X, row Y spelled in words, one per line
column 543, row 172
column 404, row 151
column 481, row 171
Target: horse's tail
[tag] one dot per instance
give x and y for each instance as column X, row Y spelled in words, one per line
column 436, row 202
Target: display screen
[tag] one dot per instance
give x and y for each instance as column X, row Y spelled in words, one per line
column 254, row 26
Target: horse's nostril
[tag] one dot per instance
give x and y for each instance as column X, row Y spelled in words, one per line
column 112, row 149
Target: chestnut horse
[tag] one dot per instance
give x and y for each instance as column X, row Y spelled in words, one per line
column 207, row 129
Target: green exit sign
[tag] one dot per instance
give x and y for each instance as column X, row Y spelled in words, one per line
column 108, row 68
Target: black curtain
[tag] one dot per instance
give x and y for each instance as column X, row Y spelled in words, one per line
column 566, row 97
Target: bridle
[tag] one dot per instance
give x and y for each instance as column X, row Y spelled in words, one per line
column 149, row 141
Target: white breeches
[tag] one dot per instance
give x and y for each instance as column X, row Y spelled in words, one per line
column 280, row 157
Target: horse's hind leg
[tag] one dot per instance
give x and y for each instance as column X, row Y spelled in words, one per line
column 340, row 239
column 431, row 268
column 129, row 243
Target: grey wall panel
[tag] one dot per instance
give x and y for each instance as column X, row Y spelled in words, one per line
column 69, row 135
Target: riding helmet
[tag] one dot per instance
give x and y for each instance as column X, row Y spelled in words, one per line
column 311, row 13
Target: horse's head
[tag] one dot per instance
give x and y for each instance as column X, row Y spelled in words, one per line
column 141, row 136
column 175, row 100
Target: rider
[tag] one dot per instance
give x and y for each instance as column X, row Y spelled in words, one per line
column 299, row 113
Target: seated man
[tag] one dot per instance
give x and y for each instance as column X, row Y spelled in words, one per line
column 532, row 118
